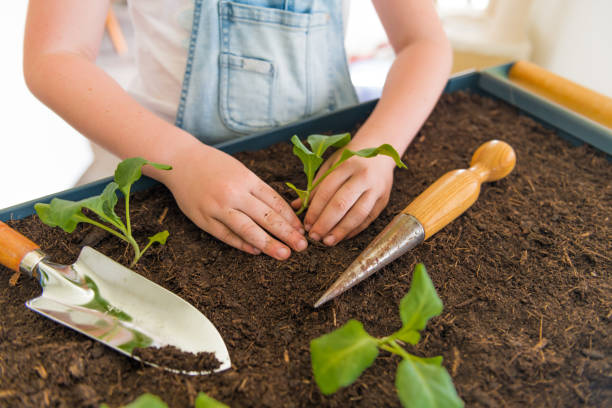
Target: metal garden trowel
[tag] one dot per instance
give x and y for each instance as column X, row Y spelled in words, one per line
column 110, row 303
column 442, row 202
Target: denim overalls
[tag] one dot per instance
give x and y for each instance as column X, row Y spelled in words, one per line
column 253, row 65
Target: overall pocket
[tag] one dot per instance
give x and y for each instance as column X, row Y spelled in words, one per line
column 274, row 66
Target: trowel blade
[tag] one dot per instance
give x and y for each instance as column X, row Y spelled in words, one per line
column 120, row 308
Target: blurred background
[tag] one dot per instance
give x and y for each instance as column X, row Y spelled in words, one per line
column 40, row 154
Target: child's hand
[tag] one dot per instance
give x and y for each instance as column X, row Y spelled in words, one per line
column 350, row 198
column 355, row 193
column 224, row 198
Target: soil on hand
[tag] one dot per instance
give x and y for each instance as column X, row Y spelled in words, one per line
column 524, row 276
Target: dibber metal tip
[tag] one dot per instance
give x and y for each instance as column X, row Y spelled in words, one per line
column 402, row 234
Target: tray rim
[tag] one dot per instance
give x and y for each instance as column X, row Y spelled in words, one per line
column 491, row 82
column 571, row 125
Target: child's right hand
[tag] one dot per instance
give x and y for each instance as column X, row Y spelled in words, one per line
column 213, row 189
column 227, row 200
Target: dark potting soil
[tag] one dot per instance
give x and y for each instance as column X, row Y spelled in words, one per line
column 524, row 275
column 174, row 358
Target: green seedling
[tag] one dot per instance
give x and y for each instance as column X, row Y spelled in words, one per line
column 148, row 400
column 312, row 159
column 68, row 214
column 338, row 358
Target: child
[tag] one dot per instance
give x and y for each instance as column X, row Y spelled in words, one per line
column 211, row 70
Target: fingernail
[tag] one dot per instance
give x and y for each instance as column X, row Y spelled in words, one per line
column 302, row 232
column 307, row 227
column 282, row 253
column 256, row 251
column 329, row 240
column 301, row 245
column 315, row 236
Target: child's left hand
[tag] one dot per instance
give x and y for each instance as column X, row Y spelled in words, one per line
column 353, row 195
column 350, row 198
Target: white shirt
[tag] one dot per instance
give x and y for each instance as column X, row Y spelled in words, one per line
column 161, row 33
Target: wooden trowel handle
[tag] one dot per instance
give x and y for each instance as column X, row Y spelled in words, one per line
column 13, row 247
column 453, row 193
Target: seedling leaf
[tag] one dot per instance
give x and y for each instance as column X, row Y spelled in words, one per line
column 384, row 149
column 320, row 143
column 302, row 194
column 44, row 213
column 160, row 238
column 65, row 214
column 421, row 303
column 422, row 385
column 338, row 358
column 437, row 360
column 409, row 336
column 310, row 160
column 109, row 201
column 204, row 401
column 104, row 205
column 130, row 170
column 147, row 401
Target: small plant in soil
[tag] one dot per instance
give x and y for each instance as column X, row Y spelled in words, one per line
column 68, row 214
column 312, row 159
column 338, row 358
column 148, row 400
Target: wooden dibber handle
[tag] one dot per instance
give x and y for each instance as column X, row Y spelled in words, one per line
column 453, row 193
column 13, row 247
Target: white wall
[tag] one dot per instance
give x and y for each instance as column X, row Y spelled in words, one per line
column 39, row 153
column 573, row 38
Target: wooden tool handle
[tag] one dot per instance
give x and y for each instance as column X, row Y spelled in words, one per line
column 13, row 247
column 115, row 33
column 453, row 193
column 577, row 98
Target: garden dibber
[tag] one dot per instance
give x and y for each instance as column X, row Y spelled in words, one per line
column 442, row 202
